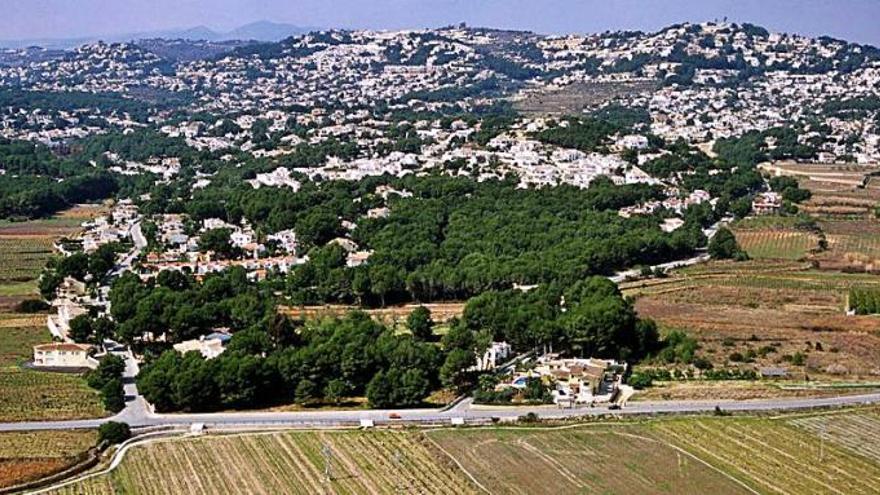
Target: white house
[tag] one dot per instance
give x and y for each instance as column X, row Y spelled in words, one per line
column 494, row 355
column 633, row 142
column 210, row 346
column 59, row 324
column 64, row 355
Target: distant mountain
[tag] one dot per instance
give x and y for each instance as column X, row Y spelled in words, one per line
column 265, row 31
column 256, row 31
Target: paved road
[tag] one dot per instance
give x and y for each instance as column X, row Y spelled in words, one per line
column 140, row 415
column 139, row 241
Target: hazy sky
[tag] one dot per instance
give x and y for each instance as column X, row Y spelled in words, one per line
column 855, row 20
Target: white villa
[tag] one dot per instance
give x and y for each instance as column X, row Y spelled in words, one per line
column 64, row 355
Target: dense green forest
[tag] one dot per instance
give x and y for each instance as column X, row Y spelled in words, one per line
column 454, row 237
column 272, row 360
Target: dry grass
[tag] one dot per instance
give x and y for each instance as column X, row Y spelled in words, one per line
column 440, row 312
column 737, row 307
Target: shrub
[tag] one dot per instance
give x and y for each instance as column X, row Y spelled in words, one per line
column 767, row 349
column 702, row 363
column 640, row 381
column 528, row 418
column 724, row 246
column 32, row 306
column 114, row 432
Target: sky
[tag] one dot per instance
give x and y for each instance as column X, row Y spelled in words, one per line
column 854, row 20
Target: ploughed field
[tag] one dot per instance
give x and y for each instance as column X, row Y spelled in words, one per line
column 785, row 305
column 30, row 455
column 790, row 454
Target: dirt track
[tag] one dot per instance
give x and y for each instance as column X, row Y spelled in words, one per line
column 440, row 312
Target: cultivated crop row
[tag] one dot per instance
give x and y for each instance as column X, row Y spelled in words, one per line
column 859, row 432
column 300, row 462
column 34, row 395
column 774, row 456
column 776, row 244
column 589, row 460
column 22, row 258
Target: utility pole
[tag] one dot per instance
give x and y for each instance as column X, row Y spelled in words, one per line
column 397, row 460
column 327, row 452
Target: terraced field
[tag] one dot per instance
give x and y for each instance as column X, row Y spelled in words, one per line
column 25, row 456
column 773, row 456
column 291, row 462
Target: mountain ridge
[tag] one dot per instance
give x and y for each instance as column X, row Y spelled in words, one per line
column 262, row 30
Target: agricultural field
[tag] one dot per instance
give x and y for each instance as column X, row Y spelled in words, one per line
column 16, row 340
column 859, row 432
column 583, row 460
column 776, row 244
column 852, row 244
column 26, row 246
column 743, row 390
column 792, row 454
column 34, row 395
column 775, row 309
column 30, row 455
column 27, row 395
column 839, row 190
column 772, row 456
column 843, row 200
column 288, row 462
